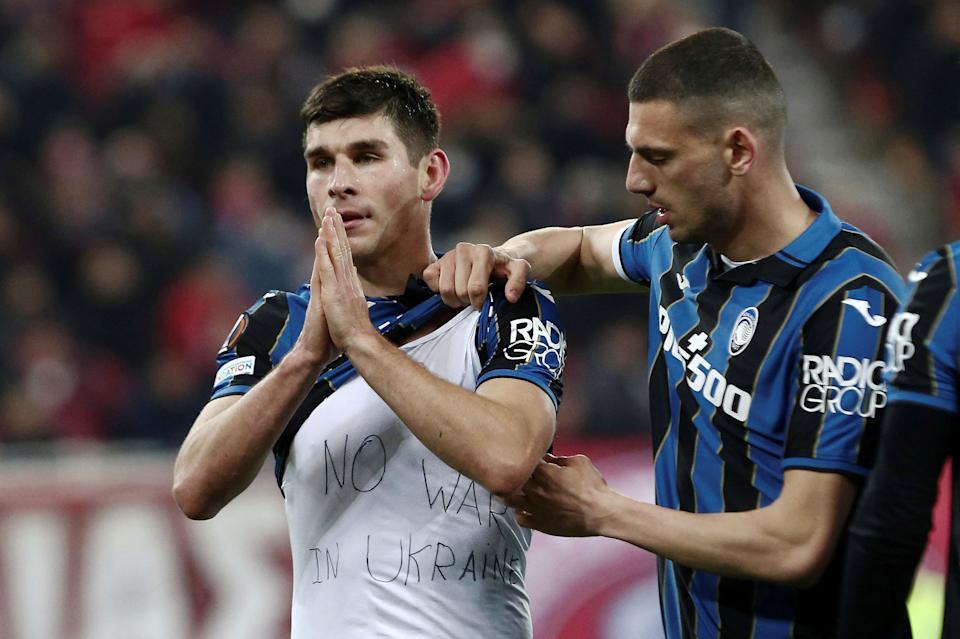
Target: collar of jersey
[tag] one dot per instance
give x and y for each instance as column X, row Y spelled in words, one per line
column 389, row 308
column 785, row 265
column 416, row 305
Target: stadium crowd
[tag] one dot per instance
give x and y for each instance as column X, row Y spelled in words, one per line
column 151, row 171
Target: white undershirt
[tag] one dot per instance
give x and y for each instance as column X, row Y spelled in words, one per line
column 730, row 264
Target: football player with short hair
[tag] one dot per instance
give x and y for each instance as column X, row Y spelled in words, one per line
column 395, row 422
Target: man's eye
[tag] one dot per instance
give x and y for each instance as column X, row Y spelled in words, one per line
column 367, row 157
column 321, row 163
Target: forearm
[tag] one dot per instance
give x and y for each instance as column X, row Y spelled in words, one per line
column 553, row 254
column 572, row 260
column 224, row 451
column 729, row 544
column 789, row 541
column 476, row 436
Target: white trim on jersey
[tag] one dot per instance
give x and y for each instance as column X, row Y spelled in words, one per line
column 615, row 253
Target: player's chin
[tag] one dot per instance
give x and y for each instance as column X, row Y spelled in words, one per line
column 678, row 233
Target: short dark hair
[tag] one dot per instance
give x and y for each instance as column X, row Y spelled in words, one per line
column 717, row 74
column 361, row 91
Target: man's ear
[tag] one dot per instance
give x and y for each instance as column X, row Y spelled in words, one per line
column 434, row 169
column 740, row 150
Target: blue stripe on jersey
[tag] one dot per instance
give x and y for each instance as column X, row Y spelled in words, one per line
column 727, row 360
column 824, row 464
column 705, row 586
column 670, row 600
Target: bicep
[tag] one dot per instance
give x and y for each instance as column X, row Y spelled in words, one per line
column 599, row 266
column 535, row 414
column 817, row 499
column 210, row 411
column 807, row 519
column 812, row 510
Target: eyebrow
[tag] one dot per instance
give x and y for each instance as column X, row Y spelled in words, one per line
column 360, row 146
column 649, row 149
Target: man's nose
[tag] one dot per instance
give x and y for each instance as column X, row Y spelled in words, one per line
column 343, row 180
column 637, row 179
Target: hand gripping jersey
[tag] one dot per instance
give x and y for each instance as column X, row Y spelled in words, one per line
column 754, row 370
column 387, row 540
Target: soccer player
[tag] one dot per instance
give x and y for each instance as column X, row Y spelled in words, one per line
column 395, row 422
column 889, row 530
column 766, row 320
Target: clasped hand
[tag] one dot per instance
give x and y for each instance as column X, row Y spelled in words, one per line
column 337, row 314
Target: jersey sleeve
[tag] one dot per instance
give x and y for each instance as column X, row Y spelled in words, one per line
column 923, row 338
column 524, row 340
column 247, row 354
column 840, row 388
column 632, row 249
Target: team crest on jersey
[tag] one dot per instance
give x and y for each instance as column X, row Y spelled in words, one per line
column 743, row 329
column 238, row 328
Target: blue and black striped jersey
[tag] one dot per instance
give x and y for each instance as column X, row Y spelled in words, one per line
column 756, row 369
column 524, row 340
column 924, row 337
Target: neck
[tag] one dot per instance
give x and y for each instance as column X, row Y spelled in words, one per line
column 773, row 215
column 384, row 277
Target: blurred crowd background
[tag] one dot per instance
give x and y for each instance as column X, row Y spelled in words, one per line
column 151, row 176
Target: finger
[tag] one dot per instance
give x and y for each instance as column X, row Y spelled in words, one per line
column 525, row 519
column 324, row 262
column 539, row 472
column 517, row 501
column 344, row 243
column 431, row 275
column 315, row 275
column 357, row 286
column 448, row 291
column 517, row 273
column 572, row 460
column 462, row 273
column 338, row 249
column 332, row 241
column 479, row 277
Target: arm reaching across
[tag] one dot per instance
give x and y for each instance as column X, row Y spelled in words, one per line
column 570, row 260
column 790, row 541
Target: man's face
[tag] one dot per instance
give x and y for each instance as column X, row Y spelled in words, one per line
column 360, row 167
column 681, row 172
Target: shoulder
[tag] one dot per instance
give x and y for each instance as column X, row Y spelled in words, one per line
column 271, row 307
column 533, row 316
column 266, row 319
column 936, row 272
column 536, row 301
column 648, row 226
column 853, row 260
column 933, row 293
